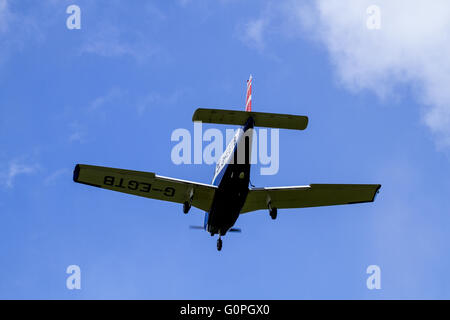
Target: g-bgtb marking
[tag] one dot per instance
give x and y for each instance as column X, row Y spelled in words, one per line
column 229, row 194
column 137, row 186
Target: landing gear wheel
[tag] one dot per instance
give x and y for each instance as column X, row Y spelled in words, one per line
column 273, row 213
column 186, row 207
column 219, row 244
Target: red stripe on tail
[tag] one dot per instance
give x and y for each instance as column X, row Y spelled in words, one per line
column 248, row 98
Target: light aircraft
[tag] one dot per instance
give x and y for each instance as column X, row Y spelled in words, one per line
column 229, row 194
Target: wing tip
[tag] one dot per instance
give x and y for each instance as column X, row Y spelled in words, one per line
column 377, row 190
column 194, row 115
column 76, row 173
column 306, row 122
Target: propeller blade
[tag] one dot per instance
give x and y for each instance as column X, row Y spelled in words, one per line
column 197, row 227
column 235, row 230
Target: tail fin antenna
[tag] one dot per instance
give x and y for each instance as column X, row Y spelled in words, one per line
column 248, row 98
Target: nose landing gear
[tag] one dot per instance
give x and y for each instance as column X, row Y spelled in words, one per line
column 219, row 244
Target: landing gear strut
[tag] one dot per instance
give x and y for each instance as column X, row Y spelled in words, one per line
column 219, row 244
column 187, row 204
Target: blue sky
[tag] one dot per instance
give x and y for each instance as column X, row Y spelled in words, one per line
column 112, row 93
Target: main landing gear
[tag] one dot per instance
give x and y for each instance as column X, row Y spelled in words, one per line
column 186, row 207
column 219, row 244
column 272, row 211
column 187, row 204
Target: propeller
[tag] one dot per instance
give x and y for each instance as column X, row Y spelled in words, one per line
column 203, row 228
column 197, row 227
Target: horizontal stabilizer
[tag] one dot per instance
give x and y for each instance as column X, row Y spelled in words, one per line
column 262, row 119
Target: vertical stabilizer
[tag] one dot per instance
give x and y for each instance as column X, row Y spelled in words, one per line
column 248, row 97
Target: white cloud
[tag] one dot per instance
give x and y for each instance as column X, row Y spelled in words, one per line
column 15, row 168
column 412, row 48
column 253, row 33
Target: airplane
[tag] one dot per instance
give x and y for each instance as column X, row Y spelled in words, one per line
column 228, row 196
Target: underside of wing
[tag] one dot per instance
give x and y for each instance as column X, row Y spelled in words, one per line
column 146, row 184
column 313, row 195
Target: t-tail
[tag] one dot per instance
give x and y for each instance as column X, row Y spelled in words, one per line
column 261, row 119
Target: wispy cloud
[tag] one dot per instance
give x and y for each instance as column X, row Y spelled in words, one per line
column 113, row 38
column 411, row 49
column 116, row 100
column 253, row 33
column 111, row 96
column 15, row 168
column 77, row 132
column 98, row 107
column 183, row 3
column 54, row 176
column 111, row 41
column 154, row 12
column 5, row 16
column 155, row 99
column 21, row 28
column 104, row 38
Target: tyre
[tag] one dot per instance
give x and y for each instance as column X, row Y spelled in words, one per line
column 273, row 213
column 186, row 207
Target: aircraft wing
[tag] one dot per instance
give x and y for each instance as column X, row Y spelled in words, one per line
column 146, row 184
column 313, row 195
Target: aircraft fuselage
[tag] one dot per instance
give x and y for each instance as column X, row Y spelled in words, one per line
column 232, row 176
